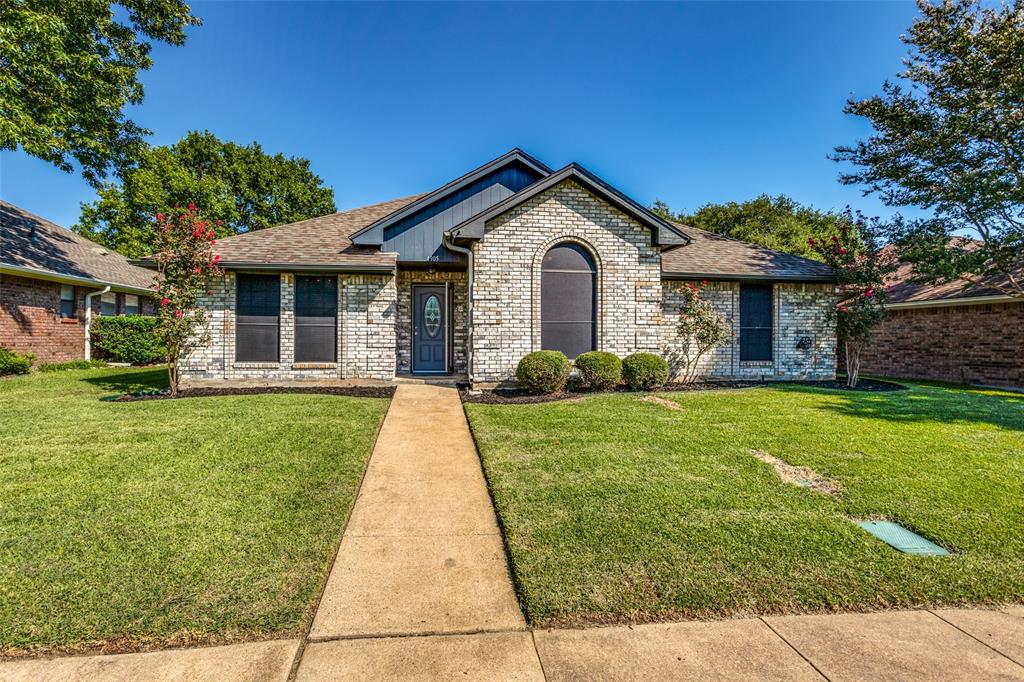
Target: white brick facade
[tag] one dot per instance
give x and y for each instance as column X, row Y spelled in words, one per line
column 366, row 337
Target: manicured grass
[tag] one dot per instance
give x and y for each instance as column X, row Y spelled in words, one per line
column 170, row 521
column 620, row 510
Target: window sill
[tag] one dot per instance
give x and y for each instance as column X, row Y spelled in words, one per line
column 315, row 365
column 67, row 320
column 256, row 365
column 757, row 363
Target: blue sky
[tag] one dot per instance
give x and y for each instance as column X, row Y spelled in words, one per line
column 689, row 103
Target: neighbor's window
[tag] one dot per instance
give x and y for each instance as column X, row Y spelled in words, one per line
column 316, row 319
column 756, row 322
column 131, row 304
column 67, row 300
column 108, row 303
column 258, row 309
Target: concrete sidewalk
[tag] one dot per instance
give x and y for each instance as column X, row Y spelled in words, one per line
column 420, row 590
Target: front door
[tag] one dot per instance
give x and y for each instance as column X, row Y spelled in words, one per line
column 429, row 329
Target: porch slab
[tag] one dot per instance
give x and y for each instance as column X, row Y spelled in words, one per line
column 250, row 662
column 1002, row 631
column 727, row 650
column 506, row 656
column 900, row 645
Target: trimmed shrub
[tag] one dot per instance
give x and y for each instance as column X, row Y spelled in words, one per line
column 599, row 370
column 70, row 364
column 644, row 371
column 132, row 339
column 13, row 362
column 545, row 371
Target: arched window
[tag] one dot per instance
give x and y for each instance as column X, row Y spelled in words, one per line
column 568, row 300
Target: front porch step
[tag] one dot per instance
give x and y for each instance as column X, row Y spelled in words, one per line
column 441, row 380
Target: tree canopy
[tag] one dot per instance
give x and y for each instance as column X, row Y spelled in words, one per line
column 67, row 70
column 238, row 188
column 950, row 138
column 778, row 222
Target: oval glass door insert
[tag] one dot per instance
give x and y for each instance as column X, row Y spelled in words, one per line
column 432, row 315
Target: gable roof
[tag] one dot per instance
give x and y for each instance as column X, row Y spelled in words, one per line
column 322, row 243
column 373, row 234
column 33, row 246
column 663, row 233
column 714, row 256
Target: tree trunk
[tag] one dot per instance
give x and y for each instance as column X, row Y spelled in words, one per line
column 172, row 374
column 852, row 364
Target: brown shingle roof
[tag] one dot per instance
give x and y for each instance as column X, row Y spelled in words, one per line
column 900, row 287
column 28, row 241
column 715, row 256
column 317, row 241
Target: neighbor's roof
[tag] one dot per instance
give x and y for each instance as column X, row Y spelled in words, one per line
column 901, row 289
column 30, row 245
column 324, row 242
column 713, row 256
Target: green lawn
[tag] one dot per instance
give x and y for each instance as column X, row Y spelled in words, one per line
column 620, row 510
column 172, row 521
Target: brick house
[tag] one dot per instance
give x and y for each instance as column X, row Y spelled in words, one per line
column 510, row 258
column 965, row 334
column 48, row 275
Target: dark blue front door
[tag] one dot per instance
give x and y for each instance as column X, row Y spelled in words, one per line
column 429, row 329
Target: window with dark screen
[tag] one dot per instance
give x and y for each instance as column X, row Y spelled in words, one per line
column 568, row 300
column 316, row 319
column 258, row 312
column 756, row 322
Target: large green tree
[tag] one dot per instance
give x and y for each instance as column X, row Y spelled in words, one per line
column 778, row 222
column 68, row 68
column 950, row 138
column 238, row 188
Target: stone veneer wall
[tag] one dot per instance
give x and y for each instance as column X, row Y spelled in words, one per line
column 366, row 336
column 458, row 314
column 506, row 290
column 799, row 310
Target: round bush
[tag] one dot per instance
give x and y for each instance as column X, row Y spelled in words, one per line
column 644, row 371
column 545, row 371
column 13, row 362
column 599, row 370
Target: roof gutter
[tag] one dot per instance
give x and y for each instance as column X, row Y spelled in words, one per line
column 469, row 302
column 250, row 266
column 947, row 302
column 726, row 277
column 49, row 275
column 88, row 320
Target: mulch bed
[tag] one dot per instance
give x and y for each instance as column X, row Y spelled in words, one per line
column 520, row 396
column 350, row 391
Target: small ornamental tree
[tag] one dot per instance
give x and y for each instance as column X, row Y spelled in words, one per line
column 700, row 328
column 184, row 261
column 860, row 268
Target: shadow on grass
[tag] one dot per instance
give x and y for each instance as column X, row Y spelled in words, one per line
column 926, row 403
column 126, row 382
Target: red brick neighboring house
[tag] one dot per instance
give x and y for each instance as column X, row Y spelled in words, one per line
column 948, row 332
column 46, row 274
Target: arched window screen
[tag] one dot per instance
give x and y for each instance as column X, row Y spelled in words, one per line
column 568, row 300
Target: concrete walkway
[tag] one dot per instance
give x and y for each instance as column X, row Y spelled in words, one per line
column 420, row 590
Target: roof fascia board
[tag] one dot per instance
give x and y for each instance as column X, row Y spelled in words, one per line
column 373, row 234
column 727, row 277
column 50, row 276
column 947, row 302
column 245, row 266
column 663, row 233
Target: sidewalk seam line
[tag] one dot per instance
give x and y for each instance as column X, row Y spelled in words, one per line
column 413, row 635
column 976, row 639
column 798, row 652
column 536, row 650
column 304, row 639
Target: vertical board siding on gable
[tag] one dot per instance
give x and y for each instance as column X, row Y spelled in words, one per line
column 418, row 237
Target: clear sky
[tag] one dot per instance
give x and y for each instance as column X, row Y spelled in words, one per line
column 689, row 103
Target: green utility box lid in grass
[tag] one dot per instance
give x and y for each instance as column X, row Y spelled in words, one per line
column 902, row 539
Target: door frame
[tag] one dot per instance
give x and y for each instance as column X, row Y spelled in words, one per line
column 447, row 327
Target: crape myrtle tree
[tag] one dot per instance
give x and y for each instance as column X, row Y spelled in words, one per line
column 184, row 262
column 861, row 267
column 700, row 328
column 950, row 138
column 68, row 69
